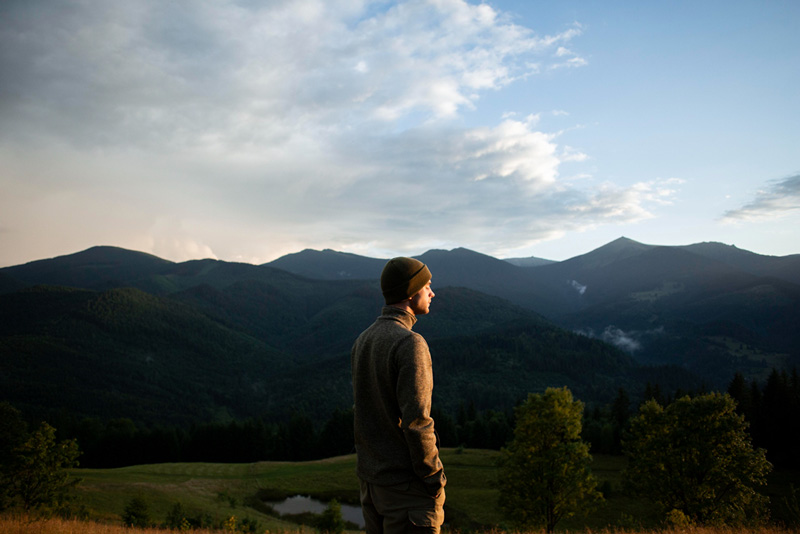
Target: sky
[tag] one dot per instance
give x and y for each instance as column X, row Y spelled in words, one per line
column 247, row 130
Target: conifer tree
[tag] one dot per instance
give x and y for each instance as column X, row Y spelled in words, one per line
column 137, row 513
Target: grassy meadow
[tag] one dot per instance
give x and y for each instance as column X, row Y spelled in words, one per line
column 60, row 526
column 222, row 491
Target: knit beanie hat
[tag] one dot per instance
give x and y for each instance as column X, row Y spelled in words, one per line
column 403, row 277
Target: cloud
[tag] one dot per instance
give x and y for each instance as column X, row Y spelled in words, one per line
column 620, row 339
column 225, row 76
column 243, row 131
column 777, row 199
column 629, row 341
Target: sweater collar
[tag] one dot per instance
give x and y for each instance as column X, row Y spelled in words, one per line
column 405, row 318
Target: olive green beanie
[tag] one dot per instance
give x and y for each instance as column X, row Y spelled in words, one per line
column 402, row 278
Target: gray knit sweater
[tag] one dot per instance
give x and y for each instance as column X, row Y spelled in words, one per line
column 392, row 386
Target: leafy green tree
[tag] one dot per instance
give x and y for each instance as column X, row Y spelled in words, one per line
column 695, row 456
column 39, row 470
column 545, row 473
column 331, row 521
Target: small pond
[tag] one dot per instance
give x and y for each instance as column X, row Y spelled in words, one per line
column 300, row 503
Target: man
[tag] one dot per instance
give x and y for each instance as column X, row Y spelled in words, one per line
column 402, row 478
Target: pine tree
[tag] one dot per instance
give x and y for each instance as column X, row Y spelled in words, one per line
column 137, row 513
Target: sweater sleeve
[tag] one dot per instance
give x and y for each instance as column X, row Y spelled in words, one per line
column 414, row 390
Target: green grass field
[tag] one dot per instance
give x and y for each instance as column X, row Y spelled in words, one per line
column 220, row 490
column 225, row 490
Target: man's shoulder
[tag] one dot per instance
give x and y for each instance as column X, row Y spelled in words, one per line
column 391, row 331
column 412, row 341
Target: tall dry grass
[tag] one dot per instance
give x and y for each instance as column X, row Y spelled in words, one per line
column 21, row 525
column 694, row 530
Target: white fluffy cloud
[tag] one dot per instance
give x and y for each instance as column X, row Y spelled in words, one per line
column 240, row 130
column 779, row 198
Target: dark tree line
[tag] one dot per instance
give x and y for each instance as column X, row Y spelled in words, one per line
column 121, row 442
column 605, row 425
column 770, row 409
column 484, row 429
column 773, row 411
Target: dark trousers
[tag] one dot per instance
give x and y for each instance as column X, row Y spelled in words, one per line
column 402, row 509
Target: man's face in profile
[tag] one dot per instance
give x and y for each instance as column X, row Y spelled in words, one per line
column 421, row 301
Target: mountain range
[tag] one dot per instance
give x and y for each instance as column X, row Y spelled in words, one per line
column 110, row 332
column 708, row 307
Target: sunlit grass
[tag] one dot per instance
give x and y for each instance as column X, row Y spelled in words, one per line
column 62, row 526
column 219, row 491
column 22, row 525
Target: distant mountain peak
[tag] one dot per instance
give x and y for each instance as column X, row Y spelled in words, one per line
column 98, row 254
column 326, row 252
column 101, row 252
column 623, row 245
column 624, row 242
column 329, row 264
column 96, row 267
column 531, row 261
column 460, row 257
column 618, row 249
column 715, row 247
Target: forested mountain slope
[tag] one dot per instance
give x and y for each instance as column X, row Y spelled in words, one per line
column 251, row 349
column 711, row 308
column 110, row 331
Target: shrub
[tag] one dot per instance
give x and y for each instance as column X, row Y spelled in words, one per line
column 137, row 513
